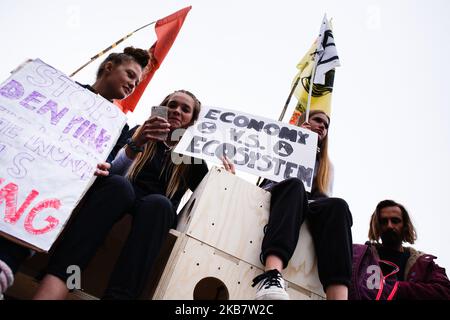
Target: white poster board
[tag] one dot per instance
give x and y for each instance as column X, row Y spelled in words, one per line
column 53, row 133
column 261, row 146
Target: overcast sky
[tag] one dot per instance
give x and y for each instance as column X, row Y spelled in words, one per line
column 389, row 134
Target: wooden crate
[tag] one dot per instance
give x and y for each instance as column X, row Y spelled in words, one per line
column 198, row 271
column 229, row 214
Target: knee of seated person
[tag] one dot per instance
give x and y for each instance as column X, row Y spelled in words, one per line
column 344, row 209
column 295, row 183
column 122, row 186
column 159, row 205
column 157, row 200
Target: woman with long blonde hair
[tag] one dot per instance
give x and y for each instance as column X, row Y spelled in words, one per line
column 147, row 185
column 323, row 179
column 329, row 221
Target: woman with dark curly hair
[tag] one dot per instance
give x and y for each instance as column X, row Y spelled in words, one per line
column 117, row 77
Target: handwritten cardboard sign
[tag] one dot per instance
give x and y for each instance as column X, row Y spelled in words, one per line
column 53, row 133
column 257, row 145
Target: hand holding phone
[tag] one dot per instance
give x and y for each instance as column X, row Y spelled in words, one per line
column 156, row 128
column 162, row 112
column 159, row 111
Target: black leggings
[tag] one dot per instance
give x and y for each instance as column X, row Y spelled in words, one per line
column 13, row 254
column 108, row 201
column 329, row 220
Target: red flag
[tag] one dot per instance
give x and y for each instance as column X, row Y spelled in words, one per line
column 166, row 31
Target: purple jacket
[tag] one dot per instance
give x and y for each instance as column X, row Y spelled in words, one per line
column 424, row 278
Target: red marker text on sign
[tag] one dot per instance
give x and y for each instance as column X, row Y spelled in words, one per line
column 8, row 195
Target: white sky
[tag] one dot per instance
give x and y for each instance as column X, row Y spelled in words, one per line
column 389, row 134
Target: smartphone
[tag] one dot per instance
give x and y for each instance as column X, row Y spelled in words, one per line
column 160, row 111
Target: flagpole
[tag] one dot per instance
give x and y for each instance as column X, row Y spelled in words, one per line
column 109, row 48
column 311, row 84
column 289, row 99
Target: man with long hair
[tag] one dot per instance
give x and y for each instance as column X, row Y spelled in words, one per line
column 407, row 273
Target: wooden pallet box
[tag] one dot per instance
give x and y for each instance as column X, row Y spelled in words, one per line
column 229, row 214
column 195, row 270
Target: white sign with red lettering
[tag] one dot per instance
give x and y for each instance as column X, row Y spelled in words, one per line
column 53, row 132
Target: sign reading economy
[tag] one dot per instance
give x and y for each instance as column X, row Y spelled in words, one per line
column 264, row 147
column 53, row 132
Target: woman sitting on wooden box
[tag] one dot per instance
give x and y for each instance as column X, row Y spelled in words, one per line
column 150, row 191
column 329, row 220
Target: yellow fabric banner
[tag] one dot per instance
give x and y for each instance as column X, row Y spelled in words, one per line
column 321, row 94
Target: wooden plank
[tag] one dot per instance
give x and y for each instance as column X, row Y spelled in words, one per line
column 172, row 262
column 186, row 213
column 302, row 268
column 229, row 213
column 25, row 287
column 200, row 263
column 160, row 265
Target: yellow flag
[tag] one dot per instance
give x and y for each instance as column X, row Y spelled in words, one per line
column 321, row 94
column 323, row 51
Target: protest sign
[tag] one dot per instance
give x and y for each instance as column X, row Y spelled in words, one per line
column 53, row 132
column 264, row 147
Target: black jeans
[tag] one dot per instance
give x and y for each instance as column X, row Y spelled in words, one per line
column 13, row 254
column 329, row 220
column 109, row 200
